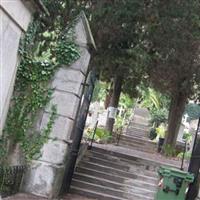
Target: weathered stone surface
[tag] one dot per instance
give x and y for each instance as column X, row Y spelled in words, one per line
column 67, row 86
column 15, row 17
column 43, row 179
column 66, row 103
column 9, row 40
column 69, row 75
column 62, row 127
column 83, row 62
column 13, row 7
column 80, row 34
column 54, row 152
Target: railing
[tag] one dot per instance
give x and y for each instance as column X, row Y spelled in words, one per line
column 10, row 179
column 119, row 135
column 93, row 136
column 78, row 133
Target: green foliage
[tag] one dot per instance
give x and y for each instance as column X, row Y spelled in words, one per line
column 152, row 99
column 66, row 50
column 169, row 150
column 101, row 135
column 44, row 48
column 158, row 116
column 100, row 91
column 119, row 122
column 187, row 155
column 3, row 148
column 193, row 111
column 156, row 103
column 187, row 136
column 32, row 144
column 152, row 134
column 126, row 101
column 174, row 65
column 115, row 28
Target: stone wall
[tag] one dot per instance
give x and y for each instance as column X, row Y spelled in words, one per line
column 45, row 176
column 15, row 16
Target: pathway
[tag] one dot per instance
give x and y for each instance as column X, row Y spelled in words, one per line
column 111, row 172
column 127, row 171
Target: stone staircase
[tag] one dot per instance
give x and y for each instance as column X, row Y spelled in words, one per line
column 110, row 172
column 136, row 134
column 108, row 175
column 138, row 144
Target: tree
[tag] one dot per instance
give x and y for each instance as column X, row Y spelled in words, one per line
column 114, row 25
column 193, row 111
column 171, row 38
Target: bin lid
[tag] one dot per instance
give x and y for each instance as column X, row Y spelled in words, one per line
column 174, row 172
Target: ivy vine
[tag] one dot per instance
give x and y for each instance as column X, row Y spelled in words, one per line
column 42, row 52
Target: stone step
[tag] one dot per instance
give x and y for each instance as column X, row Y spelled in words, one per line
column 142, row 112
column 127, row 167
column 141, row 147
column 108, row 174
column 123, row 158
column 116, row 177
column 114, row 171
column 136, row 134
column 140, row 120
column 138, row 147
column 137, row 140
column 126, row 157
column 109, row 191
column 130, row 184
column 93, row 194
column 142, row 126
column 137, row 129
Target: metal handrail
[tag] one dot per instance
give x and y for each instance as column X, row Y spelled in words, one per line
column 93, row 135
column 119, row 136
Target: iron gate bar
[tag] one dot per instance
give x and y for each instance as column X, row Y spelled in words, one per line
column 194, row 167
column 78, row 134
column 10, row 179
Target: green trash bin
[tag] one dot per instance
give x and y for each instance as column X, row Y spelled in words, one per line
column 173, row 184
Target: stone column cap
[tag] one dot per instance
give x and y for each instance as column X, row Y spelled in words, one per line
column 34, row 5
column 90, row 38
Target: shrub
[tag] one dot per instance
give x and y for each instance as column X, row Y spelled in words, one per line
column 158, row 116
column 101, row 135
column 169, row 151
column 152, row 134
column 187, row 155
column 187, row 136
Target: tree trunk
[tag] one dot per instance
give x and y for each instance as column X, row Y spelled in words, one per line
column 114, row 102
column 194, row 169
column 108, row 98
column 177, row 108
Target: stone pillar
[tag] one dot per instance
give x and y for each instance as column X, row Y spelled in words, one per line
column 45, row 175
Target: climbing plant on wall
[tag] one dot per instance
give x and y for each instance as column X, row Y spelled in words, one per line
column 42, row 50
